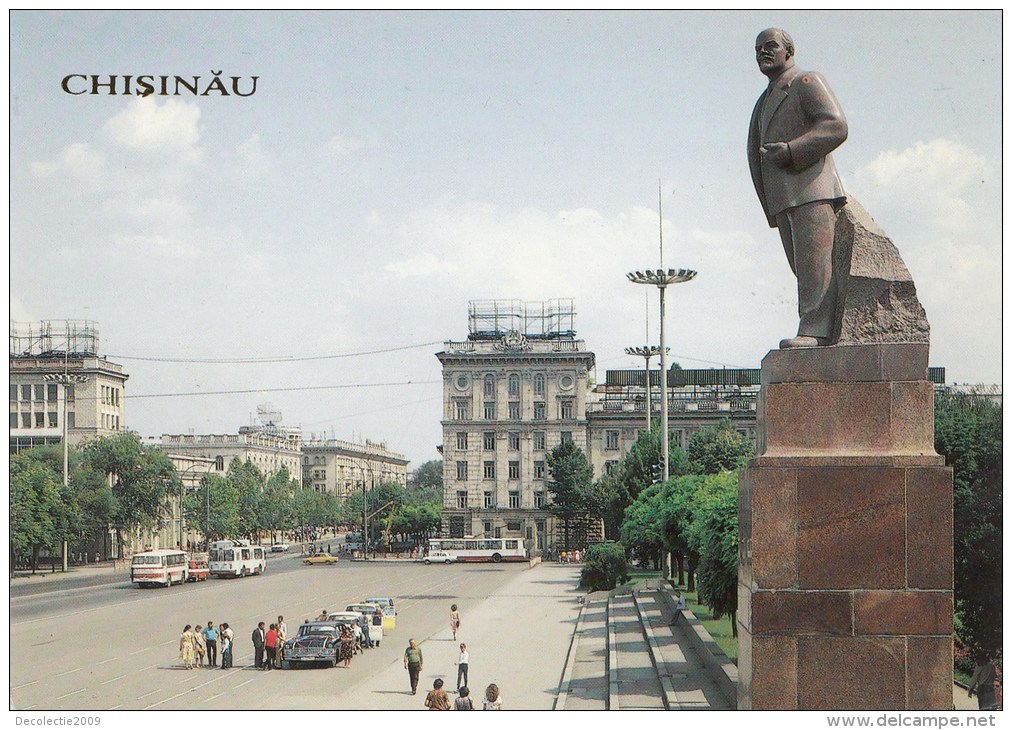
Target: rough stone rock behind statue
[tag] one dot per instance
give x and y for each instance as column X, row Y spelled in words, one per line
column 878, row 300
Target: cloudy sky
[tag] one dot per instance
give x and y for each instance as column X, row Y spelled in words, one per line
column 393, row 166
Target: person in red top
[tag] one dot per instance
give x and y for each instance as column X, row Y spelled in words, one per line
column 271, row 643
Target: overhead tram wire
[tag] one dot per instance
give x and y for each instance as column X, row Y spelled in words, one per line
column 282, row 358
column 280, row 390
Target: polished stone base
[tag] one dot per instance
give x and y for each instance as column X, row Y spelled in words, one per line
column 845, row 519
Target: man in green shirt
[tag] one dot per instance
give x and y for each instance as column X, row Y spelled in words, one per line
column 413, row 663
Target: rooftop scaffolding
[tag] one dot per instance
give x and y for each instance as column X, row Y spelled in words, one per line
column 492, row 318
column 54, row 337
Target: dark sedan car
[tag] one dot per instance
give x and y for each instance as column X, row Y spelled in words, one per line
column 317, row 642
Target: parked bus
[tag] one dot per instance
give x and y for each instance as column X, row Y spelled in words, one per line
column 236, row 558
column 159, row 567
column 478, row 550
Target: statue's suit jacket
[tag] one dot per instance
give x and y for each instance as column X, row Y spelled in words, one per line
column 798, row 108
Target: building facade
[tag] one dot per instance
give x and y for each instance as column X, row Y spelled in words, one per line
column 339, row 467
column 56, row 369
column 267, row 447
column 512, row 391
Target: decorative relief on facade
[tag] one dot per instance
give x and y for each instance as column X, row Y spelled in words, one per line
column 513, row 341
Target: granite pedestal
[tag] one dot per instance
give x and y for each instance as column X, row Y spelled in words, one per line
column 845, row 518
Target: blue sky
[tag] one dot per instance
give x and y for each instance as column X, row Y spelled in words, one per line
column 393, row 166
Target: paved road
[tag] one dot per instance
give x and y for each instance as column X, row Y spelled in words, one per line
column 115, row 647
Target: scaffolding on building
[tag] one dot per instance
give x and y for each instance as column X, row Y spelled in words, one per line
column 57, row 337
column 548, row 320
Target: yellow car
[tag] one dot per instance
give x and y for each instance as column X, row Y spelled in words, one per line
column 324, row 558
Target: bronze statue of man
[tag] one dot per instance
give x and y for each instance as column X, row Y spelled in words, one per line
column 795, row 125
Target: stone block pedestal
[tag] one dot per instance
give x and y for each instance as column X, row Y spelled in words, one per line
column 845, row 519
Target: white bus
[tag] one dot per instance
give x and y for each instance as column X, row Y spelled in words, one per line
column 481, row 550
column 236, row 558
column 159, row 567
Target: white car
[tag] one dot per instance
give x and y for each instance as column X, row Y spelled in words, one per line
column 438, row 556
column 281, row 547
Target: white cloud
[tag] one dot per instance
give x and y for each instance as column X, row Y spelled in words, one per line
column 343, row 145
column 167, row 129
column 79, row 160
column 423, row 265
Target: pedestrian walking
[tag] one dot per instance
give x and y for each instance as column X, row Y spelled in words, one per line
column 271, row 644
column 199, row 645
column 186, row 647
column 454, row 620
column 363, row 624
column 413, row 663
column 347, row 645
column 282, row 637
column 493, row 700
column 463, row 702
column 462, row 660
column 211, row 640
column 227, row 638
column 437, row 699
column 982, row 684
column 259, row 638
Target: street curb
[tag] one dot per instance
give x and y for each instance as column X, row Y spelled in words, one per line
column 613, row 703
column 660, row 666
column 567, row 669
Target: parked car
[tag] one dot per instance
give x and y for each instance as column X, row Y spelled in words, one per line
column 198, row 570
column 389, row 612
column 375, row 622
column 281, row 547
column 320, row 558
column 317, row 642
column 438, row 556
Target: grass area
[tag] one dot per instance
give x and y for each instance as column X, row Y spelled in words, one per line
column 720, row 629
column 637, row 576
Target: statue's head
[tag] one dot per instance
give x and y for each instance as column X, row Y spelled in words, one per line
column 774, row 52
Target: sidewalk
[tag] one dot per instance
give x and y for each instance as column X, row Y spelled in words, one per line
column 24, row 583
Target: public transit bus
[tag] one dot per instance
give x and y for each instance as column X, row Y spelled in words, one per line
column 481, row 550
column 159, row 567
column 236, row 558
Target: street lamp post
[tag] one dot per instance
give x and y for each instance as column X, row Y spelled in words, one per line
column 646, row 352
column 662, row 279
column 65, row 379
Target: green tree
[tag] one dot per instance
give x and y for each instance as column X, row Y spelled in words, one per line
column 249, row 482
column 643, row 528
column 140, row 478
column 425, row 484
column 968, row 433
column 276, row 505
column 604, row 567
column 34, row 506
column 713, row 449
column 713, row 534
column 570, row 484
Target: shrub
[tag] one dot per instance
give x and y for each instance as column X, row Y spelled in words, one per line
column 604, row 567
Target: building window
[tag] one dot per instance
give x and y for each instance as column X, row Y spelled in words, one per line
column 514, row 410
column 71, row 420
column 489, row 387
column 489, row 500
column 611, row 440
column 566, row 410
column 52, row 419
column 40, row 393
column 14, row 420
column 14, row 393
column 488, row 470
column 462, row 440
column 26, row 420
column 461, row 471
column 566, row 437
column 514, row 502
column 219, row 463
column 461, row 410
column 488, row 527
column 514, row 384
column 539, row 411
column 539, row 440
column 26, row 393
column 488, row 441
column 539, row 470
column 40, row 419
column 539, row 500
column 514, row 470
column 490, row 410
column 69, row 392
column 539, row 384
column 609, row 466
column 462, row 500
column 514, row 440
column 51, row 393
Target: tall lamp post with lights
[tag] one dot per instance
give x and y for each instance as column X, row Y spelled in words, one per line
column 646, row 352
column 66, row 380
column 662, row 279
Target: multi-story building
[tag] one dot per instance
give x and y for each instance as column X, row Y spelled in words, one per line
column 339, row 467
column 56, row 369
column 512, row 391
column 266, row 446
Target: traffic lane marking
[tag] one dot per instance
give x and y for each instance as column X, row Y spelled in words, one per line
column 196, row 687
column 27, row 684
column 110, row 681
column 76, row 691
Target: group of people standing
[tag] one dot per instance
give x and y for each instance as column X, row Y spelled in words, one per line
column 268, row 644
column 196, row 644
column 438, row 698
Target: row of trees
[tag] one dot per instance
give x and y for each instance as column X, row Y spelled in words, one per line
column 120, row 483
